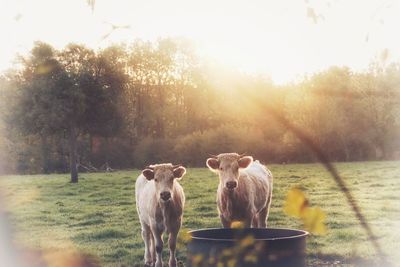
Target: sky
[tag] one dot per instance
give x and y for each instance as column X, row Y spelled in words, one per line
column 284, row 39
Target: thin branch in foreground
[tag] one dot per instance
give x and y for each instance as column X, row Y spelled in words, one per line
column 324, row 160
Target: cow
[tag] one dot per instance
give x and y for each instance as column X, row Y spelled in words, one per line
column 159, row 201
column 245, row 190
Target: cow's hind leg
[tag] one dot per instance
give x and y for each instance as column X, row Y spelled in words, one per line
column 265, row 212
column 262, row 218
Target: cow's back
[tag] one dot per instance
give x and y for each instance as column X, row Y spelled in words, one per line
column 140, row 184
column 258, row 170
column 261, row 182
column 145, row 198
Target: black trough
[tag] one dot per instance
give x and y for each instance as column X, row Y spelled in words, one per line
column 272, row 247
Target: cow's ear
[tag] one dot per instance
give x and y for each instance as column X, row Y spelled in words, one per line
column 245, row 161
column 149, row 174
column 179, row 172
column 213, row 164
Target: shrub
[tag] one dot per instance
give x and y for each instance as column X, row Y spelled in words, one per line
column 193, row 149
column 150, row 151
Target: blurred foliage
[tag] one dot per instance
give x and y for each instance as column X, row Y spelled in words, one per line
column 237, row 224
column 297, row 205
column 246, row 250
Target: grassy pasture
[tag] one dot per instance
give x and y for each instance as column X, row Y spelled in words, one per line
column 98, row 215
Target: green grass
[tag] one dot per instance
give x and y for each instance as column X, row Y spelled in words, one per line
column 98, row 215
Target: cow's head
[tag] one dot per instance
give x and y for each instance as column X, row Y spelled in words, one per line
column 164, row 176
column 227, row 166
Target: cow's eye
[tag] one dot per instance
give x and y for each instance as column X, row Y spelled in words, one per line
column 220, row 168
column 155, row 180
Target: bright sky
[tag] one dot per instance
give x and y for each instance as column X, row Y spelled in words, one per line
column 257, row 36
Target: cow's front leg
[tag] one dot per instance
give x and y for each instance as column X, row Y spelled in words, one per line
column 254, row 223
column 159, row 246
column 146, row 235
column 172, row 248
column 152, row 249
column 225, row 223
column 247, row 222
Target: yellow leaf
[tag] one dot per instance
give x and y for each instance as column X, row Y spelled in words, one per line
column 197, row 259
column 211, row 260
column 313, row 219
column 231, row 263
column 250, row 258
column 237, row 224
column 227, row 252
column 295, row 202
column 185, row 236
column 247, row 241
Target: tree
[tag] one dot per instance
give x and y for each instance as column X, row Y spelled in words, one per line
column 50, row 103
column 380, row 106
column 62, row 94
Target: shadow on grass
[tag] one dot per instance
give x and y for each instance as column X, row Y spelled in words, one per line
column 89, row 222
column 101, row 235
column 318, row 259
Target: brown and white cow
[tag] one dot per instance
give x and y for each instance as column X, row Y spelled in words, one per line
column 159, row 202
column 244, row 191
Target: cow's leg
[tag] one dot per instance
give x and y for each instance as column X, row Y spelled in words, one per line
column 263, row 215
column 225, row 223
column 152, row 248
column 262, row 218
column 159, row 246
column 146, row 235
column 254, row 223
column 172, row 248
column 248, row 221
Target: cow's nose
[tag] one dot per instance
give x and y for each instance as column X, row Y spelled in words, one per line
column 165, row 195
column 231, row 184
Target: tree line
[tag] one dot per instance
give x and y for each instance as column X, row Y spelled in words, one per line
column 129, row 105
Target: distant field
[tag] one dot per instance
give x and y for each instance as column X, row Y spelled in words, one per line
column 98, row 215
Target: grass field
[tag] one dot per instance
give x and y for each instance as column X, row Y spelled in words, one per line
column 98, row 215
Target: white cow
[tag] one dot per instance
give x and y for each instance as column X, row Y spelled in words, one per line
column 159, row 202
column 244, row 191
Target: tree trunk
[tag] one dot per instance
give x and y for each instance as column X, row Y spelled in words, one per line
column 160, row 133
column 345, row 148
column 73, row 154
column 160, row 129
column 107, row 150
column 90, row 145
column 45, row 154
